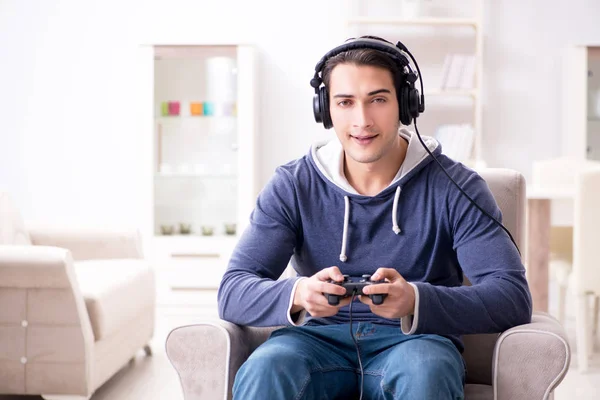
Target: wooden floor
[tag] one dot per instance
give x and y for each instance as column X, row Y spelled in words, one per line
column 153, row 378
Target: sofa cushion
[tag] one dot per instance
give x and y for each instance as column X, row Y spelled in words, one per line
column 115, row 292
column 12, row 228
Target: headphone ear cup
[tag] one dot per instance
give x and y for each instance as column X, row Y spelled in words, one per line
column 403, row 101
column 324, row 107
column 317, row 108
column 413, row 102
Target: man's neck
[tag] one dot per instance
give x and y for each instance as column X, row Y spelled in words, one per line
column 371, row 179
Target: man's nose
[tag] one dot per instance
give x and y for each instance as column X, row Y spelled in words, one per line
column 362, row 118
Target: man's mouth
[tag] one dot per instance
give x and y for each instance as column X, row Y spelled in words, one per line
column 363, row 139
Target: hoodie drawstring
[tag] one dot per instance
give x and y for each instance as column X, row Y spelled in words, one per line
column 395, row 226
column 343, row 257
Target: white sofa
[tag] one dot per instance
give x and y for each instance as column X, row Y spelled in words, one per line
column 75, row 307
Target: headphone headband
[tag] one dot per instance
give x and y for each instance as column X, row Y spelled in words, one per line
column 365, row 43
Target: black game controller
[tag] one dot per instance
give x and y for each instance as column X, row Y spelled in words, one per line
column 355, row 285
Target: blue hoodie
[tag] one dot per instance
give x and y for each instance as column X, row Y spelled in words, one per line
column 420, row 225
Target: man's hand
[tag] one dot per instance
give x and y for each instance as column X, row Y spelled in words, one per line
column 400, row 300
column 309, row 293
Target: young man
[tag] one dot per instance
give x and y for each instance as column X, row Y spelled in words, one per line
column 373, row 201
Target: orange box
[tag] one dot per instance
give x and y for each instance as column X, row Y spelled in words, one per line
column 196, row 108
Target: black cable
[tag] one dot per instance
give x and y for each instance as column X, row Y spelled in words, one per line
column 462, row 191
column 362, row 373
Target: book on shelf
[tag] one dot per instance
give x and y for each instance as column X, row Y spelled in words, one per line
column 458, row 72
column 456, row 141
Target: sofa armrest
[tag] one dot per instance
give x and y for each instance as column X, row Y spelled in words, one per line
column 206, row 371
column 90, row 244
column 35, row 267
column 531, row 360
column 47, row 340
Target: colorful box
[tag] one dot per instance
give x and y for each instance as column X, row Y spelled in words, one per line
column 209, row 108
column 164, row 108
column 174, row 108
column 196, row 108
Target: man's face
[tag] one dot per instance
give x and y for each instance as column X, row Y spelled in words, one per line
column 364, row 111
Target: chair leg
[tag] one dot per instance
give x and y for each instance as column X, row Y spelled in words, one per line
column 582, row 331
column 148, row 350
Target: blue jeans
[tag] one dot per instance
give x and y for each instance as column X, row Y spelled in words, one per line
column 320, row 362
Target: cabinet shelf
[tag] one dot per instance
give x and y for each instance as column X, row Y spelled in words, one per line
column 425, row 21
column 194, row 117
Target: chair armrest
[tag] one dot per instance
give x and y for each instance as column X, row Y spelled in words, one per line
column 207, row 371
column 531, row 360
column 90, row 244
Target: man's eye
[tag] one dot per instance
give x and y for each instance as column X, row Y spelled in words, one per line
column 344, row 103
column 380, row 100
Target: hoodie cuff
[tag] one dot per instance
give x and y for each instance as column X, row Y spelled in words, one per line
column 410, row 323
column 298, row 318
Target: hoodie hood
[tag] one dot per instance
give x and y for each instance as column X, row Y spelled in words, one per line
column 328, row 158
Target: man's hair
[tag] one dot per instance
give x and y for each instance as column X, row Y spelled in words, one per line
column 360, row 57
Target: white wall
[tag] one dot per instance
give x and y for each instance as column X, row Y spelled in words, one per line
column 70, row 89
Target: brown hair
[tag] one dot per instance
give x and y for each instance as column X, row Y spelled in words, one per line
column 370, row 57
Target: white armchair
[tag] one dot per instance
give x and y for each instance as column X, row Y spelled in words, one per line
column 525, row 362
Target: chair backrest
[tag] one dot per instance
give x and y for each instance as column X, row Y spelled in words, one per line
column 12, row 228
column 509, row 191
column 586, row 257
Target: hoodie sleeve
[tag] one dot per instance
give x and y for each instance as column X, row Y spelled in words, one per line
column 250, row 293
column 499, row 297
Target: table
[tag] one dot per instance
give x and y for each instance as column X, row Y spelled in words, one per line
column 539, row 201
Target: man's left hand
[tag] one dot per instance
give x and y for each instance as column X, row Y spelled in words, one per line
column 400, row 300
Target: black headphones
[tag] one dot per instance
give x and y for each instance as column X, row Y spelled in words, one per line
column 410, row 102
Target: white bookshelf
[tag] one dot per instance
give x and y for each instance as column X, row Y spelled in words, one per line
column 366, row 24
column 581, row 102
column 204, row 164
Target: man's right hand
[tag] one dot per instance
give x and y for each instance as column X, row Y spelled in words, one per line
column 309, row 293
